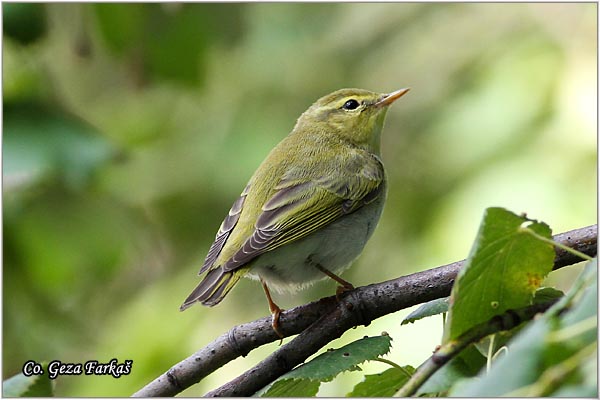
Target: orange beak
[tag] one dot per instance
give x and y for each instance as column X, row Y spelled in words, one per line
column 391, row 97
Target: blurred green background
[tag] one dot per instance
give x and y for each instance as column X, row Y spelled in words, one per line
column 130, row 129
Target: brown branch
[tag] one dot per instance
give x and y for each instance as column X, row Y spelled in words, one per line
column 323, row 321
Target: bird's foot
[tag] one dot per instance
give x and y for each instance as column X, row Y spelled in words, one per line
column 343, row 289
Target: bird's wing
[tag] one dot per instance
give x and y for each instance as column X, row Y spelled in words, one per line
column 224, row 231
column 302, row 205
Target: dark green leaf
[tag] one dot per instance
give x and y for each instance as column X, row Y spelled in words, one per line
column 545, row 294
column 505, row 267
column 433, row 307
column 384, row 384
column 326, row 366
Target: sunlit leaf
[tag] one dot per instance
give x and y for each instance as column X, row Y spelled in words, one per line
column 504, row 269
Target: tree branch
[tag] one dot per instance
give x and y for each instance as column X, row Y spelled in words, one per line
column 322, row 321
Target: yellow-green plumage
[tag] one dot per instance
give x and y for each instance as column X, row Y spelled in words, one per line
column 314, row 200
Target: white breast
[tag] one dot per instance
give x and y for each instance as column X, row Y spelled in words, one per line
column 334, row 247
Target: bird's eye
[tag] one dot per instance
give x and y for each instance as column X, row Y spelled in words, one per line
column 351, row 105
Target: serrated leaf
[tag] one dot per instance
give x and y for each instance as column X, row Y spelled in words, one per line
column 384, row 384
column 505, row 267
column 293, row 388
column 328, row 365
column 28, row 386
column 433, row 307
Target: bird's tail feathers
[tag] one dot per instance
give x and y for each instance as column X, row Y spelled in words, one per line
column 213, row 288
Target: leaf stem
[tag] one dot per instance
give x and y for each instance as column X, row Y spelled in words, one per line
column 553, row 243
column 393, row 364
column 500, row 351
column 488, row 362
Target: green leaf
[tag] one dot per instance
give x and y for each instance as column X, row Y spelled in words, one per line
column 545, row 294
column 554, row 354
column 328, row 365
column 28, row 386
column 384, row 384
column 293, row 388
column 505, row 267
column 433, row 307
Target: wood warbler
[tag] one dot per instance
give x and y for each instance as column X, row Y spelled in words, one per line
column 310, row 207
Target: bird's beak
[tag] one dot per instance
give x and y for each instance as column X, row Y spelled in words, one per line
column 391, row 97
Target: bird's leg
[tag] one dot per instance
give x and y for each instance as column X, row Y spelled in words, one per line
column 275, row 310
column 345, row 286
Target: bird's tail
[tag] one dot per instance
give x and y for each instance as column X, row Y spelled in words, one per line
column 213, row 288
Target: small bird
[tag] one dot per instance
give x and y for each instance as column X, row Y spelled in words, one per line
column 310, row 207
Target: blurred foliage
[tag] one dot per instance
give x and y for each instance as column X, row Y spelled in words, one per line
column 24, row 23
column 130, row 128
